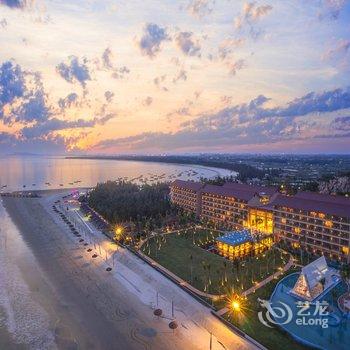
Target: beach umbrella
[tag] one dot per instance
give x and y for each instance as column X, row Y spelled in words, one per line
column 173, row 325
column 158, row 312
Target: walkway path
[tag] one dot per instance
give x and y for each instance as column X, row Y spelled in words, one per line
column 196, row 322
column 251, row 290
column 277, row 274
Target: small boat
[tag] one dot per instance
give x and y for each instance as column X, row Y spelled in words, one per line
column 24, row 186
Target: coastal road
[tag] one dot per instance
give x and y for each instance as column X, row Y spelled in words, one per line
column 90, row 308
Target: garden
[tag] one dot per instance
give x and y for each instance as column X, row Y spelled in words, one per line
column 186, row 254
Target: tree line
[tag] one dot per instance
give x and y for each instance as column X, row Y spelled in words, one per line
column 123, row 201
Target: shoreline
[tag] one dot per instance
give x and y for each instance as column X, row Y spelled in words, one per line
column 101, row 307
column 63, row 173
column 73, row 297
column 214, row 168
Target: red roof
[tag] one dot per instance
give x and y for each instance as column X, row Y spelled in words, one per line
column 324, row 197
column 243, row 194
column 305, row 202
column 251, row 188
column 190, row 185
column 229, row 189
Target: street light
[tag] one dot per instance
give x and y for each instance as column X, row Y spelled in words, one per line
column 235, row 305
column 118, row 232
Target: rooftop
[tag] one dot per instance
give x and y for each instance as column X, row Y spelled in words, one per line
column 191, row 185
column 269, row 191
column 236, row 237
column 305, row 201
column 228, row 192
column 309, row 284
column 314, row 202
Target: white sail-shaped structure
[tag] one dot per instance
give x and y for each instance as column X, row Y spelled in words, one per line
column 314, row 279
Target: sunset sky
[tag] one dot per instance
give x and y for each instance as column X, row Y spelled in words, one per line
column 167, row 76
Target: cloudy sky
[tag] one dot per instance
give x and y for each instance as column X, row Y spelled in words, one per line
column 155, row 76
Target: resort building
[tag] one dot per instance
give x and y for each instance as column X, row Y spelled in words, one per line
column 186, row 195
column 316, row 223
column 236, row 206
column 315, row 279
column 238, row 244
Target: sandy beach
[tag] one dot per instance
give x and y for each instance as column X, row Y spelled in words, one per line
column 67, row 300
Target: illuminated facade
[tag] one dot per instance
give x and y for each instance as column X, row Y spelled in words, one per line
column 260, row 220
column 314, row 279
column 230, row 205
column 239, row 244
column 186, row 195
column 318, row 224
column 219, row 207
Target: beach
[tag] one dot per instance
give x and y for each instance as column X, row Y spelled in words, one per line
column 67, row 300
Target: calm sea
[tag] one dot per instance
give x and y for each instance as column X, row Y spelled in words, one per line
column 30, row 173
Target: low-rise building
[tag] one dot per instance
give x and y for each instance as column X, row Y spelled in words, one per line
column 315, row 279
column 238, row 244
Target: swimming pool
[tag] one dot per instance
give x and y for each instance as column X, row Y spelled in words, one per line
column 328, row 330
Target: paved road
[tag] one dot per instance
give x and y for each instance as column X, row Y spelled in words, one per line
column 94, row 309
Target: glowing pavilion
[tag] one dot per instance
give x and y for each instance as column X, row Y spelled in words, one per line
column 314, row 279
column 237, row 244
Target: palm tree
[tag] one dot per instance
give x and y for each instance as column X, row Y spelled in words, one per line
column 225, row 267
column 191, row 259
column 209, row 280
column 204, row 269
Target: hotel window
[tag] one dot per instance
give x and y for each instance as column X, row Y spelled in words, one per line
column 297, row 230
column 345, row 250
column 328, row 223
column 284, row 220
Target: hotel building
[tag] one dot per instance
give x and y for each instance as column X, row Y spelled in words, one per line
column 236, row 206
column 186, row 194
column 319, row 224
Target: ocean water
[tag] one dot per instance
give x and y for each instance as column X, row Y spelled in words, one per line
column 26, row 321
column 21, row 316
column 30, row 173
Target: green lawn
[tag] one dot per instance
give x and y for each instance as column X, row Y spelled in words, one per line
column 247, row 321
column 174, row 251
